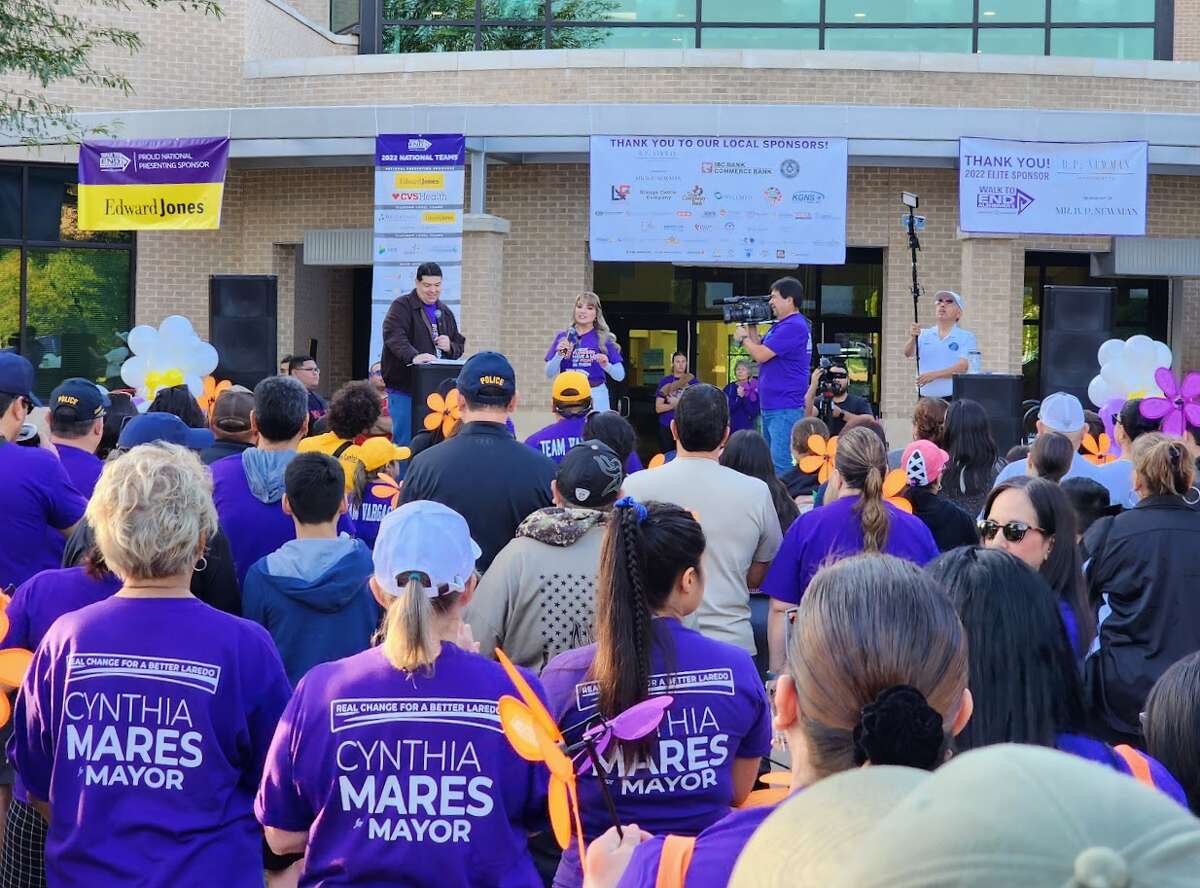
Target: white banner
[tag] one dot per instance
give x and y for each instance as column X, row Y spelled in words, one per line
column 1007, row 187
column 718, row 200
column 418, row 218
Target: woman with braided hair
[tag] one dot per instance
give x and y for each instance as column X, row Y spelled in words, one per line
column 706, row 753
column 876, row 675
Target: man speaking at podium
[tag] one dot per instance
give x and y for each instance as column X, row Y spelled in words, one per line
column 419, row 328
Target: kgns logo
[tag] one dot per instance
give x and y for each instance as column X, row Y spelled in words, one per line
column 113, row 161
column 620, row 192
column 419, row 144
column 1001, row 197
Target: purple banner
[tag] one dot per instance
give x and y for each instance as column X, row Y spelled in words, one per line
column 418, row 150
column 153, row 161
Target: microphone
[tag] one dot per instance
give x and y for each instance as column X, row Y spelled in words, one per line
column 437, row 326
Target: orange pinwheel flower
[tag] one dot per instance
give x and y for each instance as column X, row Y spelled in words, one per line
column 212, row 391
column 893, row 485
column 443, row 412
column 14, row 663
column 535, row 736
column 1098, row 449
column 820, row 457
column 659, row 459
column 387, row 488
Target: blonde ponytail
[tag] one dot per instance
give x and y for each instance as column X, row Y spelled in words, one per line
column 409, row 639
column 861, row 461
column 872, row 514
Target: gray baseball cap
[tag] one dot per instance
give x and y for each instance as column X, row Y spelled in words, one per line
column 996, row 817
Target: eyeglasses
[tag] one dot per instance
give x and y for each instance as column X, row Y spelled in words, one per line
column 1014, row 531
column 27, row 402
column 313, row 369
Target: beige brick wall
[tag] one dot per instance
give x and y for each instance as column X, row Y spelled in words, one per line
column 272, row 33
column 1187, row 30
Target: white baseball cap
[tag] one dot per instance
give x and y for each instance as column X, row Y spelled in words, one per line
column 958, row 300
column 1062, row 412
column 424, row 537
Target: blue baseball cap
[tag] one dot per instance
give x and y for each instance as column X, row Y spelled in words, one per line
column 151, row 427
column 488, row 378
column 16, row 376
column 78, row 399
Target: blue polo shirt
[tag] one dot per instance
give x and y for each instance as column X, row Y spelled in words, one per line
column 938, row 354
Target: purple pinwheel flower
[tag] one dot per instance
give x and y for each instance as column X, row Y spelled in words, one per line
column 1180, row 407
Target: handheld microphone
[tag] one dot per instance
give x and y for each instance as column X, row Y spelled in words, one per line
column 437, row 327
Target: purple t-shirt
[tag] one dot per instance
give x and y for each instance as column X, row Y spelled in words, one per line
column 404, row 777
column 713, row 857
column 557, row 438
column 367, row 515
column 783, row 380
column 664, row 419
column 720, row 713
column 587, row 349
column 254, row 529
column 833, row 532
column 1098, row 751
column 83, row 468
column 37, row 499
column 148, row 741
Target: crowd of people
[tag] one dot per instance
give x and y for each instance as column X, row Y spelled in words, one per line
column 287, row 639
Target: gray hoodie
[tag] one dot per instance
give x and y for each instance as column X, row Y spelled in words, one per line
column 264, row 472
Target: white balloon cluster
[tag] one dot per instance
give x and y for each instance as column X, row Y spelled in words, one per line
column 171, row 355
column 1127, row 369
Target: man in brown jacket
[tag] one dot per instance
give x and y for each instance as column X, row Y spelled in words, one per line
column 419, row 328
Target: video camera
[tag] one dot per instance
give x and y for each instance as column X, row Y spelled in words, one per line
column 832, row 355
column 747, row 309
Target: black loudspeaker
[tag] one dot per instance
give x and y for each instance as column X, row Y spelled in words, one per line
column 425, row 381
column 1075, row 323
column 1001, row 395
column 242, row 326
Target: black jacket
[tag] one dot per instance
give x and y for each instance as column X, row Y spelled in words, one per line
column 488, row 477
column 215, row 584
column 221, row 448
column 407, row 333
column 950, row 525
column 1147, row 561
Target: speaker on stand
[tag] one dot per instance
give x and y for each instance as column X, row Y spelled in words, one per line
column 1075, row 323
column 242, row 326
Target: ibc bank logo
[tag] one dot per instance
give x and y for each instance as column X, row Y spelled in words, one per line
column 1013, row 200
column 419, row 144
column 113, row 162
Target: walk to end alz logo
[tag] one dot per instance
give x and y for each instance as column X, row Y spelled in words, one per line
column 1001, row 197
column 113, row 161
column 419, row 144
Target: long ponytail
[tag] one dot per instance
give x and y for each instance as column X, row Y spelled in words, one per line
column 408, row 637
column 862, row 462
column 646, row 548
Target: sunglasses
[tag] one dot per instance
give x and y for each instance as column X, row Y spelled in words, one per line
column 1014, row 531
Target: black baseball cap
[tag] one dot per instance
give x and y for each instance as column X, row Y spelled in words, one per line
column 78, row 399
column 488, row 378
column 590, row 475
column 151, row 427
column 16, row 377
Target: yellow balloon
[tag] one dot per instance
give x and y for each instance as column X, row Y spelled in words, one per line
column 172, row 377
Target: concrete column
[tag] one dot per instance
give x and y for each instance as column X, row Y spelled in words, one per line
column 1185, row 324
column 993, row 284
column 483, row 281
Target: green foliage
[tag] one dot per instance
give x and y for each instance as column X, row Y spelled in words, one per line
column 47, row 46
column 518, row 35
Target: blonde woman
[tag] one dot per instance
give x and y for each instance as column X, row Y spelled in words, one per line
column 587, row 345
column 144, row 719
column 390, row 764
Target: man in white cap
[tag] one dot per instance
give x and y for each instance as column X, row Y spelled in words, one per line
column 943, row 347
column 1061, row 412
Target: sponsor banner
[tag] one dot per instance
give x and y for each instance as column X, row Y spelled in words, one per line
column 419, row 184
column 718, row 200
column 1082, row 188
column 157, row 184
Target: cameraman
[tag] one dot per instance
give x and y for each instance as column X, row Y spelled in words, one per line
column 832, row 383
column 783, row 359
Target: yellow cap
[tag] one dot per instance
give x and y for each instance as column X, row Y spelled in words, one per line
column 571, row 387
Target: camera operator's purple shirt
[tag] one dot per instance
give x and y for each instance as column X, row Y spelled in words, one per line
column 783, row 380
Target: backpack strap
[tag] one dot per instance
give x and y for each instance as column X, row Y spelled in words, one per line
column 1139, row 767
column 342, row 448
column 674, row 861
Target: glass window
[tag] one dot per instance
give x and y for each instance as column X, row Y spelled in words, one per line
column 803, row 11
column 1102, row 11
column 343, row 15
column 760, row 38
column 78, row 300
column 53, row 210
column 427, row 10
column 428, row 38
column 1103, row 43
column 992, row 11
column 897, row 11
column 642, row 282
column 624, row 38
column 1013, row 41
column 627, row 10
column 520, row 9
column 10, row 202
column 900, row 39
column 851, row 290
column 10, row 297
column 513, row 38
